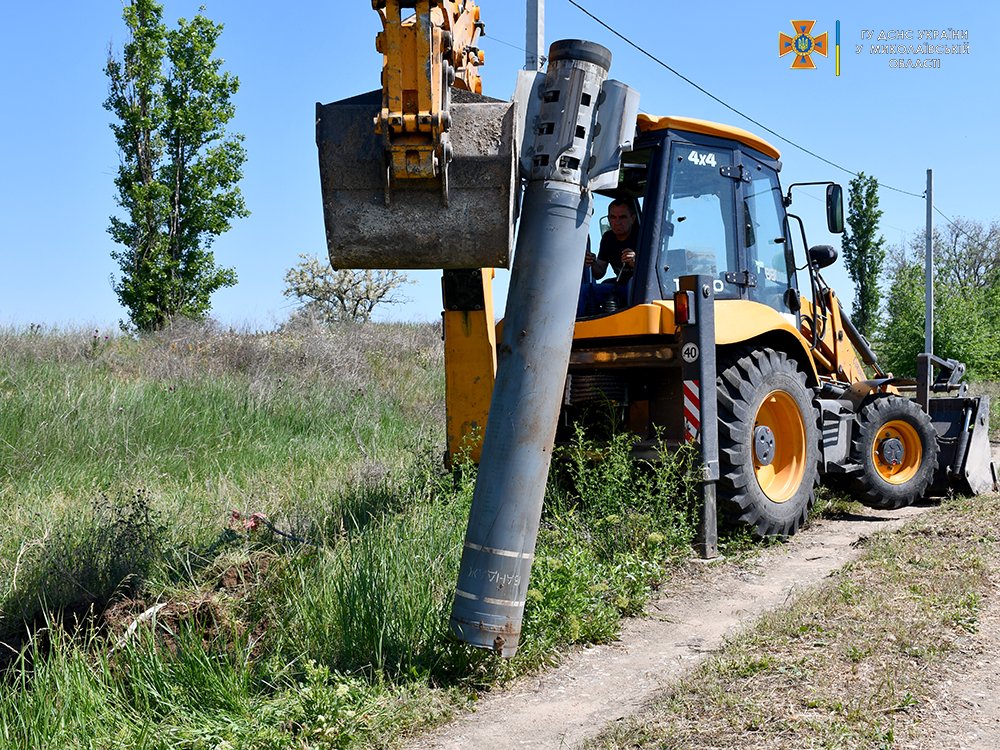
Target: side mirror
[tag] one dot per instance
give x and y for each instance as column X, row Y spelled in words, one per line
column 821, row 256
column 835, row 209
column 792, row 300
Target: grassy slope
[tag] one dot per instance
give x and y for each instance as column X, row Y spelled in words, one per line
column 121, row 461
column 269, row 419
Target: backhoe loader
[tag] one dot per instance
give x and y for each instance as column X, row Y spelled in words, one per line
column 710, row 338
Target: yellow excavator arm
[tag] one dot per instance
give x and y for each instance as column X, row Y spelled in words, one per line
column 420, row 173
column 423, row 57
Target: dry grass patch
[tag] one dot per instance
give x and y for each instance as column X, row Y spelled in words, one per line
column 848, row 664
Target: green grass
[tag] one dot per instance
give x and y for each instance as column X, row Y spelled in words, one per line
column 995, row 417
column 307, row 427
column 246, row 408
column 130, row 589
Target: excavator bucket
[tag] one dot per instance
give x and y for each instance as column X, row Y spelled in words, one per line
column 965, row 463
column 464, row 221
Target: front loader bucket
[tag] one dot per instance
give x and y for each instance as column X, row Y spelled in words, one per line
column 414, row 228
column 965, row 462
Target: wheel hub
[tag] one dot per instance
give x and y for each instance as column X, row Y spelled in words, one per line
column 891, row 451
column 897, row 452
column 778, row 456
column 763, row 445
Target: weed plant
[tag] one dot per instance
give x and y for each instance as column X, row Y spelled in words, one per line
column 83, row 561
column 611, row 527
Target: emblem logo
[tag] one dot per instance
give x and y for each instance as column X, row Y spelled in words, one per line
column 802, row 45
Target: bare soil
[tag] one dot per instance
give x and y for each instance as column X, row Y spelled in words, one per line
column 708, row 602
column 966, row 712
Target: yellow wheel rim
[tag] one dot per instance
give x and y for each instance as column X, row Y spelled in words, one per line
column 781, row 477
column 889, row 465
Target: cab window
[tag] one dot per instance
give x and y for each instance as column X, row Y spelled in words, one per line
column 699, row 222
column 767, row 248
column 631, row 187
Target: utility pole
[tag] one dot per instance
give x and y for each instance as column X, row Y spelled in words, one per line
column 929, row 268
column 534, row 34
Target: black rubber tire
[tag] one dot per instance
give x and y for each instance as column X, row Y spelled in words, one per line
column 868, row 485
column 745, row 379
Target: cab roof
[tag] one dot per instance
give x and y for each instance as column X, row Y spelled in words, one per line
column 649, row 123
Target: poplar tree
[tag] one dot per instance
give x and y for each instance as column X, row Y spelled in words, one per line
column 179, row 169
column 864, row 251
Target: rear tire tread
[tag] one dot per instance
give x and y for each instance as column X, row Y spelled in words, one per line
column 743, row 383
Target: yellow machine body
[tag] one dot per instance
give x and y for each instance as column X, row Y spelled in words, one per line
column 644, row 334
column 470, row 359
column 470, row 352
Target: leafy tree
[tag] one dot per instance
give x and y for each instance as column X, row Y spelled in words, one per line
column 344, row 295
column 179, row 173
column 901, row 333
column 967, row 253
column 966, row 300
column 864, row 254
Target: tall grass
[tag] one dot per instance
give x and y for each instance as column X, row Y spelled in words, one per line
column 84, row 560
column 378, row 602
column 991, row 389
column 201, row 421
column 326, row 625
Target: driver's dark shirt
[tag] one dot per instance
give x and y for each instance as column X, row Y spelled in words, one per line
column 611, row 248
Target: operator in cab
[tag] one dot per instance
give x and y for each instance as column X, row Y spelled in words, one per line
column 618, row 244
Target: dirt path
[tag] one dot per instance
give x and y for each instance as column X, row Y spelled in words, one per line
column 602, row 684
column 966, row 712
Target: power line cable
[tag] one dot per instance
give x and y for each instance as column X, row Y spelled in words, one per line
column 491, row 38
column 725, row 104
column 957, row 228
column 951, row 221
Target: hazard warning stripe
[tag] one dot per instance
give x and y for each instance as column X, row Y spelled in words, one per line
column 692, row 409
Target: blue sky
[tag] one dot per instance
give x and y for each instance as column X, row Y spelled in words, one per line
column 59, row 159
